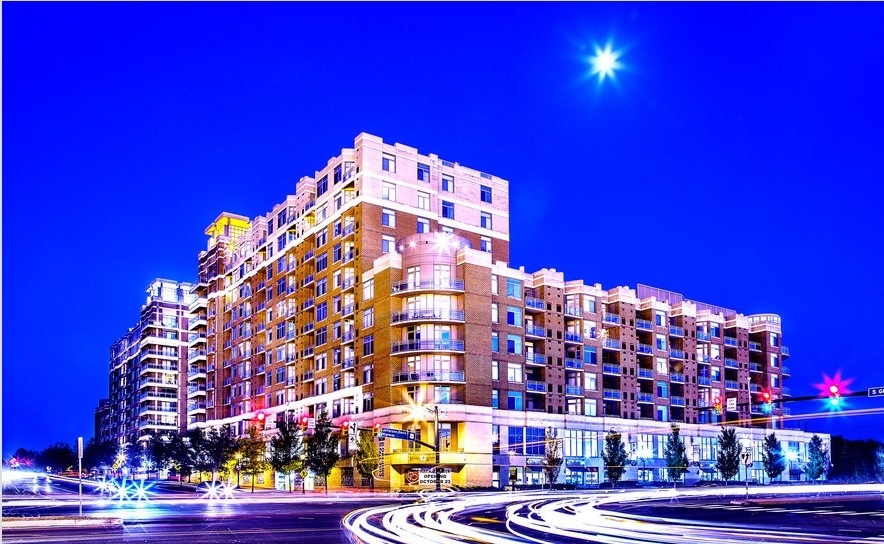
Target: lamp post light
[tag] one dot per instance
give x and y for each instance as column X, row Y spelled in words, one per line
column 238, row 458
column 791, row 456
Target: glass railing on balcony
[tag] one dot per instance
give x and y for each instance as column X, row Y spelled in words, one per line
column 573, row 311
column 731, row 363
column 196, row 370
column 731, row 384
column 430, row 314
column 611, row 318
column 676, row 401
column 784, row 351
column 676, row 331
column 786, row 371
column 193, row 389
column 611, row 343
column 440, row 284
column 307, row 304
column 307, row 376
column 290, row 335
column 534, row 303
column 308, row 256
column 610, row 369
column 348, row 362
column 754, row 387
column 573, row 364
column 348, row 256
column 573, row 337
column 531, row 330
column 191, row 322
column 535, row 358
column 755, row 367
column 165, row 394
column 644, row 324
column 645, row 373
column 308, row 351
column 156, row 382
column 646, row 397
column 676, row 353
column 292, row 289
column 611, row 394
column 786, row 392
column 290, row 381
column 194, row 406
column 348, row 309
column 307, row 280
column 646, row 349
column 573, row 390
column 428, row 345
column 158, row 367
column 676, row 377
column 730, row 341
column 261, row 306
column 704, row 380
column 755, row 346
column 291, row 357
column 196, row 353
column 429, row 376
column 348, row 282
column 704, row 336
column 534, row 386
column 348, row 229
column 348, row 336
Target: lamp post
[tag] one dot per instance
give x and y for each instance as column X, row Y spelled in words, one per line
column 437, row 468
column 791, row 456
column 238, row 457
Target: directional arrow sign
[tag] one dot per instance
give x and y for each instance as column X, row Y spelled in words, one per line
column 398, row 434
column 876, row 391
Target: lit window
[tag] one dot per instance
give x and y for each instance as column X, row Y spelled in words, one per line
column 494, row 318
column 493, row 284
column 495, row 342
column 368, row 289
column 486, row 194
column 368, row 317
column 447, row 230
column 514, row 372
column 513, row 288
column 322, row 186
column 514, row 316
column 388, row 163
column 495, row 371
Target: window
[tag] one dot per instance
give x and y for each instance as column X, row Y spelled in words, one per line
column 322, row 186
column 423, row 225
column 514, row 400
column 388, row 163
column 321, row 262
column 321, row 311
column 280, row 265
column 388, row 244
column 591, row 381
column 662, row 367
column 321, row 287
column 447, row 183
column 774, row 360
column 447, row 230
column 485, row 192
column 442, row 394
column 423, row 172
column 368, row 289
column 447, row 210
column 662, row 390
column 660, row 319
column 774, row 339
column 388, row 192
column 338, row 174
column 495, row 398
column 368, row 345
column 661, row 342
column 662, row 413
column 588, row 304
column 513, row 288
column 514, row 344
column 495, row 342
column 485, row 244
column 321, row 336
column 514, row 316
column 516, row 440
column 423, row 200
column 589, row 355
column 368, row 317
column 388, row 218
column 494, row 284
column 535, row 440
column 485, row 220
column 336, row 253
column 280, row 288
column 514, row 372
column 321, row 238
column 495, row 370
column 494, row 316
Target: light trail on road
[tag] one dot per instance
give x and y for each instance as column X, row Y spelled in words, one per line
column 541, row 517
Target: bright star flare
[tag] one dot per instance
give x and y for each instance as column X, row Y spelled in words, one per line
column 605, row 62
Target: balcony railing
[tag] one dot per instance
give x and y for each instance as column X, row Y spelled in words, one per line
column 611, row 318
column 645, row 373
column 676, row 377
column 611, row 343
column 646, row 349
column 611, row 369
column 755, row 346
column 348, row 282
column 646, row 397
column 573, row 364
column 786, row 371
column 429, row 376
column 704, row 336
column 704, row 380
column 428, row 345
column 429, row 314
column 348, row 336
column 787, row 392
column 755, row 367
column 754, row 387
column 644, row 325
column 731, row 363
column 348, row 362
column 531, row 330
column 676, row 353
column 676, row 401
column 573, row 337
column 534, row 386
column 573, row 390
column 730, row 341
column 784, row 351
column 196, row 353
column 612, row 394
column 439, row 285
column 535, row 358
column 573, row 311
column 676, row 331
column 534, row 303
column 731, row 384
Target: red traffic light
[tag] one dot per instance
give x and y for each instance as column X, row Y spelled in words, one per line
column 834, row 389
column 260, row 416
column 766, row 396
column 304, row 420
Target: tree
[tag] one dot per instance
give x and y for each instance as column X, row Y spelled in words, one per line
column 179, row 456
column 728, row 457
column 219, row 449
column 253, row 454
column 99, row 454
column 552, row 459
column 818, row 460
column 614, row 457
column 60, row 456
column 287, row 450
column 25, row 457
column 675, row 455
column 198, row 450
column 856, row 460
column 323, row 447
column 158, row 450
column 367, row 457
column 772, row 458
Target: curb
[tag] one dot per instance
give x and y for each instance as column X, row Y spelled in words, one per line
column 49, row 521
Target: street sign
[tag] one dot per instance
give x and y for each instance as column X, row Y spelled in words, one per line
column 876, row 391
column 304, row 474
column 732, row 404
column 353, row 437
column 311, row 423
column 398, row 434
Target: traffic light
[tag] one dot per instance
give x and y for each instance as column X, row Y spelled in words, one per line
column 834, row 395
column 303, row 422
column 376, row 430
column 716, row 405
column 259, row 419
column 767, row 400
column 344, row 426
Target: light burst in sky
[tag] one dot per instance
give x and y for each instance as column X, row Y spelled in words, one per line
column 604, row 62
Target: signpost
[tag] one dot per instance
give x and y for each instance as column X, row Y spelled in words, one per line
column 732, row 404
column 876, row 391
column 397, row 434
column 746, row 457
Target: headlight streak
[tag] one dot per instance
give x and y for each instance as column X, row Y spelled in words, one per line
column 572, row 516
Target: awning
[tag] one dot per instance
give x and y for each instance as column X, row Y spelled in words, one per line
column 708, row 470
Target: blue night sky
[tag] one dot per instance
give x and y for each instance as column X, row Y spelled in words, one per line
column 736, row 158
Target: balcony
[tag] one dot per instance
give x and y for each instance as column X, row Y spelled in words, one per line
column 754, row 387
column 348, row 363
column 534, row 386
column 645, row 373
column 755, row 367
column 646, row 398
column 307, row 280
column 308, row 351
column 573, row 391
column 731, row 363
column 535, row 358
column 290, row 335
column 429, row 376
column 676, row 354
column 196, row 372
column 731, row 384
column 754, row 346
column 531, row 330
column 611, row 318
column 348, row 310
column 573, row 337
column 196, row 338
column 676, row 401
column 676, row 331
column 348, row 256
column 428, row 345
column 644, row 325
column 429, row 285
column 348, row 283
column 573, row 364
column 704, row 380
column 191, row 389
column 573, row 311
column 786, row 371
column 158, row 367
column 308, row 256
column 428, row 314
column 676, row 377
column 307, row 304
column 348, row 336
column 611, row 369
column 290, row 381
column 534, row 304
column 786, row 392
column 646, row 349
column 162, row 394
column 156, row 382
column 348, row 229
column 195, row 354
column 611, row 394
column 784, row 351
column 611, row 343
column 703, row 336
column 730, row 341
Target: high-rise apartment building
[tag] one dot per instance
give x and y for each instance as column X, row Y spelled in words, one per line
column 146, row 389
column 381, row 288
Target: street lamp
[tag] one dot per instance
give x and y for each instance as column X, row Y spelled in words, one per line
column 791, row 456
column 238, row 457
column 415, row 417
